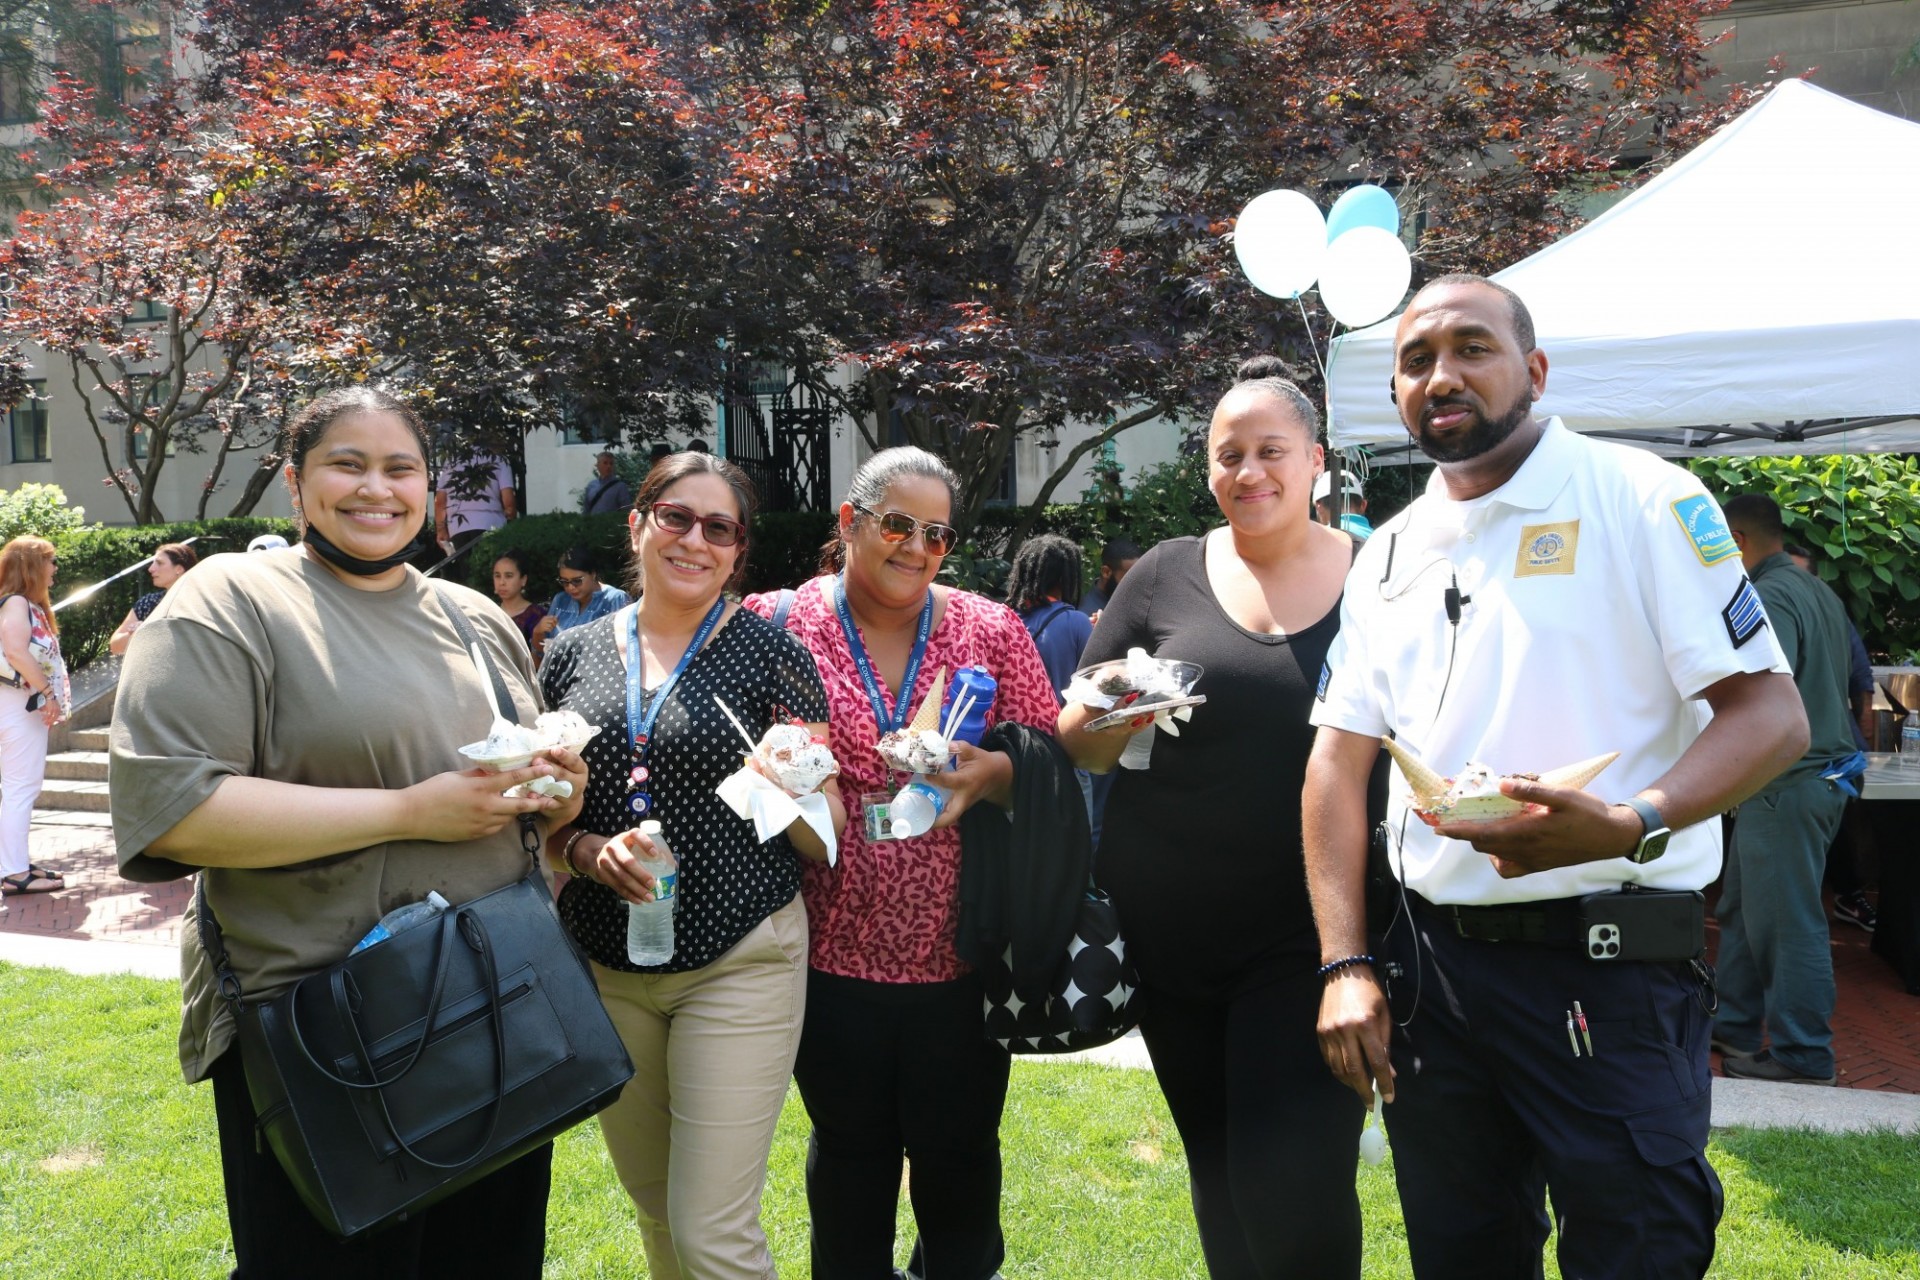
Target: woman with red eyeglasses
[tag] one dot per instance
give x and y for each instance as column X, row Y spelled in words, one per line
column 713, row 1031
column 895, row 1059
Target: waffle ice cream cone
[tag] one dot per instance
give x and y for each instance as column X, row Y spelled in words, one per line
column 928, row 716
column 1429, row 788
column 1580, row 774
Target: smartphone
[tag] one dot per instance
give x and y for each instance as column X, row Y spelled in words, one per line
column 1644, row 924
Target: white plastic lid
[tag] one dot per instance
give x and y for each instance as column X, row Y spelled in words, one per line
column 902, row 829
column 651, row 827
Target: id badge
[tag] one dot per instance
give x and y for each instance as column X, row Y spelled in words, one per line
column 873, row 812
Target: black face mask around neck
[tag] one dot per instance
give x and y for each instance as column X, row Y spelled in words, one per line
column 333, row 555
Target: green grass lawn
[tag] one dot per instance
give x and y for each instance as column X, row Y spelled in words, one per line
column 109, row 1170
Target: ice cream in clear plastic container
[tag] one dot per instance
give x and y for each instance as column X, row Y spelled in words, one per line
column 1137, row 679
column 795, row 758
column 507, row 746
column 513, row 746
column 565, row 728
column 1474, row 795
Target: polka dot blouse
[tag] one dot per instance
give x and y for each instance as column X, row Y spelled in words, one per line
column 729, row 882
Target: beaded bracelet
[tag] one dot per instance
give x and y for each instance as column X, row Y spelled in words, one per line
column 566, row 855
column 1344, row 962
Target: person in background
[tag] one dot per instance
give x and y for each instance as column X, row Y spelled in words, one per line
column 1850, row 854
column 713, row 1031
column 581, row 600
column 1116, row 558
column 606, row 492
column 1043, row 588
column 168, row 563
column 510, row 588
column 288, row 729
column 698, row 446
column 1201, row 850
column 894, row 1059
column 1776, row 957
column 1354, row 520
column 32, row 702
column 473, row 494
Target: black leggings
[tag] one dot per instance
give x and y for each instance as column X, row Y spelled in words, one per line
column 497, row 1227
column 887, row 1068
column 1272, row 1138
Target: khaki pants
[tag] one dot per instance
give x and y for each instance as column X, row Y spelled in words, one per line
column 712, row 1051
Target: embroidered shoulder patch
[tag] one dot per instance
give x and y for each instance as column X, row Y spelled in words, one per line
column 1743, row 615
column 1326, row 675
column 1706, row 528
column 1547, row 548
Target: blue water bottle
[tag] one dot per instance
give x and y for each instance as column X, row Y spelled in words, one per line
column 975, row 683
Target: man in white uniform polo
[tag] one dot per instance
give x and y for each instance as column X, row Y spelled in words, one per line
column 1550, row 598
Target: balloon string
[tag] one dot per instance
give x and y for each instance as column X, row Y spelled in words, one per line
column 1314, row 346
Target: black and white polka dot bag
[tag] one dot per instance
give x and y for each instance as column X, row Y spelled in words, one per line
column 1089, row 1000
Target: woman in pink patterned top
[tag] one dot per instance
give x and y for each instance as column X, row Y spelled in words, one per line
column 894, row 1056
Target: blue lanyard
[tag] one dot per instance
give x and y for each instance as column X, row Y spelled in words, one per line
column 903, row 705
column 640, row 725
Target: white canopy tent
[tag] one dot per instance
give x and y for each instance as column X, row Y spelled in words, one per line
column 1762, row 295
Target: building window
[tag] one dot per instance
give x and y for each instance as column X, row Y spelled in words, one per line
column 27, row 425
column 19, row 83
column 151, row 390
column 147, row 311
column 585, row 423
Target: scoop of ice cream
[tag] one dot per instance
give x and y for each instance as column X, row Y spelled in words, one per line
column 795, row 758
column 915, row 750
column 564, row 728
column 507, row 746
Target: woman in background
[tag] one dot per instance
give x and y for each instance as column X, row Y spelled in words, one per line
column 510, row 587
column 30, row 704
column 168, row 563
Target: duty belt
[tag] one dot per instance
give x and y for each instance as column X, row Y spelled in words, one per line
column 1552, row 921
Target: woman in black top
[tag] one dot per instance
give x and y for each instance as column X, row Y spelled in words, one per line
column 168, row 563
column 713, row 1031
column 1201, row 851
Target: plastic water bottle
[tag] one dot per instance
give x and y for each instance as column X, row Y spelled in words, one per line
column 975, row 683
column 915, row 809
column 401, row 919
column 1910, row 741
column 650, row 924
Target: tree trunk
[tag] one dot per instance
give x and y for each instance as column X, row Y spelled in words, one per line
column 258, row 483
column 1024, row 529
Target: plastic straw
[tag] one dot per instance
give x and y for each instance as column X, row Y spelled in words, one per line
column 728, row 712
column 958, row 714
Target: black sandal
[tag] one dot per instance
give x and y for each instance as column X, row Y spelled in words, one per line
column 32, row 880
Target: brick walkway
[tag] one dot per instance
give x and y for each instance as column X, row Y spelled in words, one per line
column 1876, row 1024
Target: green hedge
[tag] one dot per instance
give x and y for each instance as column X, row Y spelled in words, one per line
column 94, row 554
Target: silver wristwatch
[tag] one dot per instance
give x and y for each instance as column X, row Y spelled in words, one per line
column 1654, row 834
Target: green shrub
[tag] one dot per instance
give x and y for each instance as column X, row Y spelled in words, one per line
column 1860, row 516
column 92, row 555
column 786, row 548
column 37, row 511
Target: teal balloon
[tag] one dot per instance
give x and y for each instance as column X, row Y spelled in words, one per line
column 1363, row 206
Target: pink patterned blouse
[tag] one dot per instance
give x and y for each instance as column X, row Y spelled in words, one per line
column 887, row 912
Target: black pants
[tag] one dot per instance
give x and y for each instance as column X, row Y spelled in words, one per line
column 887, row 1068
column 1272, row 1138
column 496, row 1228
column 1496, row 1106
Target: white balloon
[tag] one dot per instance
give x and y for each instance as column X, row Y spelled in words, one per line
column 1366, row 275
column 1280, row 239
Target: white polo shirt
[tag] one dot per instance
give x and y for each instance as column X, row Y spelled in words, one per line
column 1603, row 593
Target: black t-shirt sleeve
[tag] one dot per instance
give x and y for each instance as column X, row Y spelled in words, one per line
column 793, row 680
column 560, row 668
column 1125, row 620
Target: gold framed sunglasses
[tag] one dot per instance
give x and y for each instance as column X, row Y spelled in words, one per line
column 898, row 526
column 720, row 531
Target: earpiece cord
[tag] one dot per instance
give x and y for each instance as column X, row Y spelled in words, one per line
column 1403, row 910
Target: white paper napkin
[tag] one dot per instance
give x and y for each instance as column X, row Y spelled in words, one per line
column 753, row 795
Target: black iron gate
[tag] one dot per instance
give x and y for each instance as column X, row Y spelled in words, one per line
column 778, row 435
